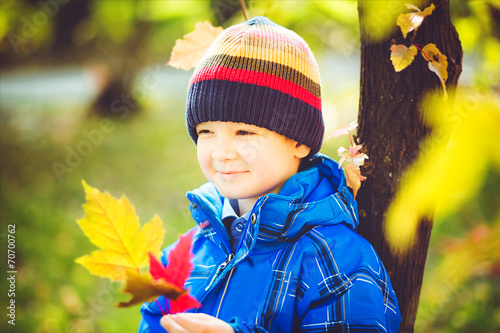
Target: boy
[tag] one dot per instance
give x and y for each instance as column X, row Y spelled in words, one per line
column 275, row 249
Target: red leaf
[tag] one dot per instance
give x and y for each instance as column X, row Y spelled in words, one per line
column 176, row 272
column 183, row 303
column 144, row 289
column 156, row 269
column 179, row 261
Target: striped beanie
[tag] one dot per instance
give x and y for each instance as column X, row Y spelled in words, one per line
column 261, row 74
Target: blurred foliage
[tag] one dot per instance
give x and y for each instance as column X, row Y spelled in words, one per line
column 150, row 158
column 478, row 23
column 28, row 28
column 380, row 16
column 430, row 186
column 455, row 167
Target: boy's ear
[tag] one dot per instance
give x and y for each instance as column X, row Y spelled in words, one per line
column 301, row 150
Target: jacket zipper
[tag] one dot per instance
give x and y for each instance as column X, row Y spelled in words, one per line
column 224, row 293
column 220, row 269
column 226, row 262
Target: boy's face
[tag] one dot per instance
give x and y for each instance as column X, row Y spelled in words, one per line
column 245, row 162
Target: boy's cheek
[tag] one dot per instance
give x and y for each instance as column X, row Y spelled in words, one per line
column 255, row 149
column 248, row 151
column 261, row 142
column 202, row 150
column 204, row 164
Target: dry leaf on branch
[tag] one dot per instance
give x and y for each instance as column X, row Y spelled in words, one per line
column 402, row 56
column 412, row 21
column 189, row 50
column 438, row 64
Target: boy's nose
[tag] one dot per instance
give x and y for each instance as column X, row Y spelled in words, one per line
column 224, row 150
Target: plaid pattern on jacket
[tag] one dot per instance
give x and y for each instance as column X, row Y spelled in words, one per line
column 300, row 265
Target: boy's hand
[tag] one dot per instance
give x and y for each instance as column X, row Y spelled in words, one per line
column 194, row 323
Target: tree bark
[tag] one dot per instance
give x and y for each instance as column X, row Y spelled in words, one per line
column 391, row 129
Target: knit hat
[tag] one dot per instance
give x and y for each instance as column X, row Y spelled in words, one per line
column 261, row 74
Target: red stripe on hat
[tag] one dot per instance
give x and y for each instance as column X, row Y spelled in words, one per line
column 257, row 78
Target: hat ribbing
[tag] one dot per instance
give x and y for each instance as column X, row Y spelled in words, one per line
column 262, row 74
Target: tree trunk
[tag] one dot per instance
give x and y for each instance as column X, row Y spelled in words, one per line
column 391, row 129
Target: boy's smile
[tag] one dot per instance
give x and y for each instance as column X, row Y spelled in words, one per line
column 231, row 175
column 245, row 162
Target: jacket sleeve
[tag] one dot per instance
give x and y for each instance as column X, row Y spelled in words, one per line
column 344, row 287
column 143, row 327
column 150, row 321
column 240, row 327
column 362, row 308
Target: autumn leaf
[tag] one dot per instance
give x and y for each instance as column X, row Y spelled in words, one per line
column 402, row 56
column 176, row 272
column 441, row 73
column 352, row 156
column 165, row 280
column 351, row 159
column 344, row 130
column 412, row 21
column 144, row 289
column 112, row 225
column 179, row 263
column 438, row 64
column 353, row 178
column 430, row 52
column 188, row 51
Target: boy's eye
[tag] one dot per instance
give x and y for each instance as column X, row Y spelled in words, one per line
column 203, row 131
column 243, row 132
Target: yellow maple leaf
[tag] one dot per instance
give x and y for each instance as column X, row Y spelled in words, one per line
column 112, row 225
column 411, row 21
column 144, row 289
column 402, row 56
column 189, row 50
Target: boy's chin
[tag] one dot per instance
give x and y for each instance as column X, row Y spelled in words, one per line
column 231, row 195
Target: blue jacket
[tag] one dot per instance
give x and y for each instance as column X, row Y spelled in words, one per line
column 300, row 265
